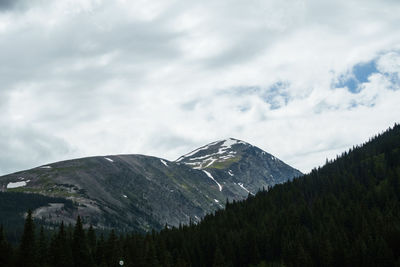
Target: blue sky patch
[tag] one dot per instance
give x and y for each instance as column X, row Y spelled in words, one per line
column 359, row 74
column 277, row 95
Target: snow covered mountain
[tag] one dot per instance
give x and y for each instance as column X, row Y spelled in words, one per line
column 137, row 192
column 238, row 167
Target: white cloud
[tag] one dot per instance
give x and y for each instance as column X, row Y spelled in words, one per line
column 163, row 77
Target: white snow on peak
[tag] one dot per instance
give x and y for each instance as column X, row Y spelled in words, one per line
column 125, row 196
column 230, row 172
column 46, row 167
column 16, row 184
column 244, row 188
column 164, row 162
column 216, row 200
column 110, row 160
column 194, row 152
column 223, row 153
column 197, row 158
column 228, row 143
column 212, row 178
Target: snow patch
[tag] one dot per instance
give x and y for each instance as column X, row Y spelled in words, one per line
column 16, row 184
column 125, row 196
column 228, row 143
column 230, row 173
column 45, row 167
column 202, row 157
column 245, row 189
column 163, row 162
column 191, row 163
column 197, row 168
column 223, row 153
column 110, row 160
column 211, row 162
column 216, row 200
column 212, row 178
column 194, row 152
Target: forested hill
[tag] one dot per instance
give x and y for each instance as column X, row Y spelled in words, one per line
column 346, row 213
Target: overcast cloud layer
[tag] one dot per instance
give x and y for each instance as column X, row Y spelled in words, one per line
column 303, row 80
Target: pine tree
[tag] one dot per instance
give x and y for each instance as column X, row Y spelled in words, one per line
column 5, row 249
column 151, row 256
column 80, row 250
column 100, row 251
column 60, row 254
column 91, row 241
column 111, row 250
column 219, row 260
column 27, row 247
column 42, row 248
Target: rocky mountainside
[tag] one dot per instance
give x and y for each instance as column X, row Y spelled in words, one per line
column 238, row 168
column 137, row 192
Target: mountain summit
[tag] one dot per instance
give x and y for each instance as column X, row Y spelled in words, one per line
column 239, row 167
column 137, row 192
column 210, row 155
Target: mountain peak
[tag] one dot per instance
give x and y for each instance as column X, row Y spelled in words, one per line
column 237, row 166
column 226, row 150
column 233, row 141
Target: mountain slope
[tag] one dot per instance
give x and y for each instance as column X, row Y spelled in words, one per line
column 141, row 192
column 346, row 213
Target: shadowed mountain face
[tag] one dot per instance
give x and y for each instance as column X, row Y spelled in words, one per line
column 137, row 192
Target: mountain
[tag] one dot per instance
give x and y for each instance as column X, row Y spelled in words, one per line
column 346, row 213
column 137, row 192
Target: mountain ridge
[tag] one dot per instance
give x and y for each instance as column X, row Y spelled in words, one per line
column 141, row 192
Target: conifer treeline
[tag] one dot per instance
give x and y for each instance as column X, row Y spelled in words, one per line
column 13, row 204
column 346, row 213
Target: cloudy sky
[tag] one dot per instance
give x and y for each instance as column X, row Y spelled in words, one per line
column 303, row 80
